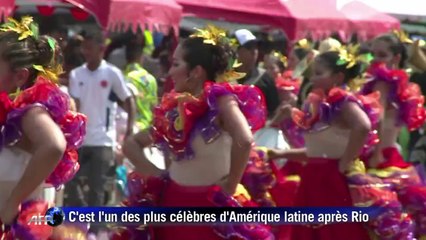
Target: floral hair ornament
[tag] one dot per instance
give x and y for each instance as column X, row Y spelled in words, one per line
column 55, row 70
column 402, row 36
column 211, row 35
column 215, row 36
column 27, row 28
column 346, row 58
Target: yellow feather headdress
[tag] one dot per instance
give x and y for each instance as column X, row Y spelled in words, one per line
column 26, row 28
column 280, row 57
column 216, row 36
column 402, row 36
column 349, row 55
column 304, row 43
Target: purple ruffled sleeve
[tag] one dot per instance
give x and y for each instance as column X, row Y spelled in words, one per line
column 406, row 96
column 48, row 96
column 249, row 98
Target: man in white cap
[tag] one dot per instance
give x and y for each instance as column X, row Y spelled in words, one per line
column 247, row 55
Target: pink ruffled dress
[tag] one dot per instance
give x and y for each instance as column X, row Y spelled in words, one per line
column 322, row 184
column 186, row 127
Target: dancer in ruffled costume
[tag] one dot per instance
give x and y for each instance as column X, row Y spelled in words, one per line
column 403, row 105
column 207, row 126
column 261, row 177
column 275, row 64
column 39, row 134
column 337, row 127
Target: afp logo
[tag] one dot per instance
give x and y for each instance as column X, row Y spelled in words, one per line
column 53, row 217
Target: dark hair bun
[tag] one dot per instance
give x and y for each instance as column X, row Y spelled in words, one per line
column 46, row 54
column 221, row 55
column 213, row 58
column 354, row 71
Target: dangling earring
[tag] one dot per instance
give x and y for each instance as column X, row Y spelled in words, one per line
column 16, row 93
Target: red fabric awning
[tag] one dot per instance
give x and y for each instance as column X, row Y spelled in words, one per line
column 98, row 8
column 368, row 22
column 6, row 8
column 295, row 17
column 150, row 14
column 262, row 12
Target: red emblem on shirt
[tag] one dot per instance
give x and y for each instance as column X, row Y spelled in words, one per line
column 104, row 83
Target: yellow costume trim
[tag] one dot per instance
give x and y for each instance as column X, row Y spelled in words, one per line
column 261, row 148
column 389, row 171
column 293, row 178
column 357, row 167
column 242, row 191
column 180, row 121
column 269, row 197
column 363, row 204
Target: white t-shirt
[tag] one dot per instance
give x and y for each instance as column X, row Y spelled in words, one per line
column 97, row 92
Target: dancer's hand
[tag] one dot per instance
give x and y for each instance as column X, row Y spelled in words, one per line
column 283, row 112
column 9, row 212
column 275, row 153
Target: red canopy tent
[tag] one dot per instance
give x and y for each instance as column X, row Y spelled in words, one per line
column 98, row 8
column 319, row 18
column 295, row 17
column 151, row 14
column 367, row 21
column 6, row 8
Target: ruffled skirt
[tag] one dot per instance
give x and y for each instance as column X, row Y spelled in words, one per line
column 406, row 182
column 166, row 193
column 322, row 185
column 21, row 230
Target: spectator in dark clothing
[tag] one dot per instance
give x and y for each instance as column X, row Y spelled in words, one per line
column 247, row 55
